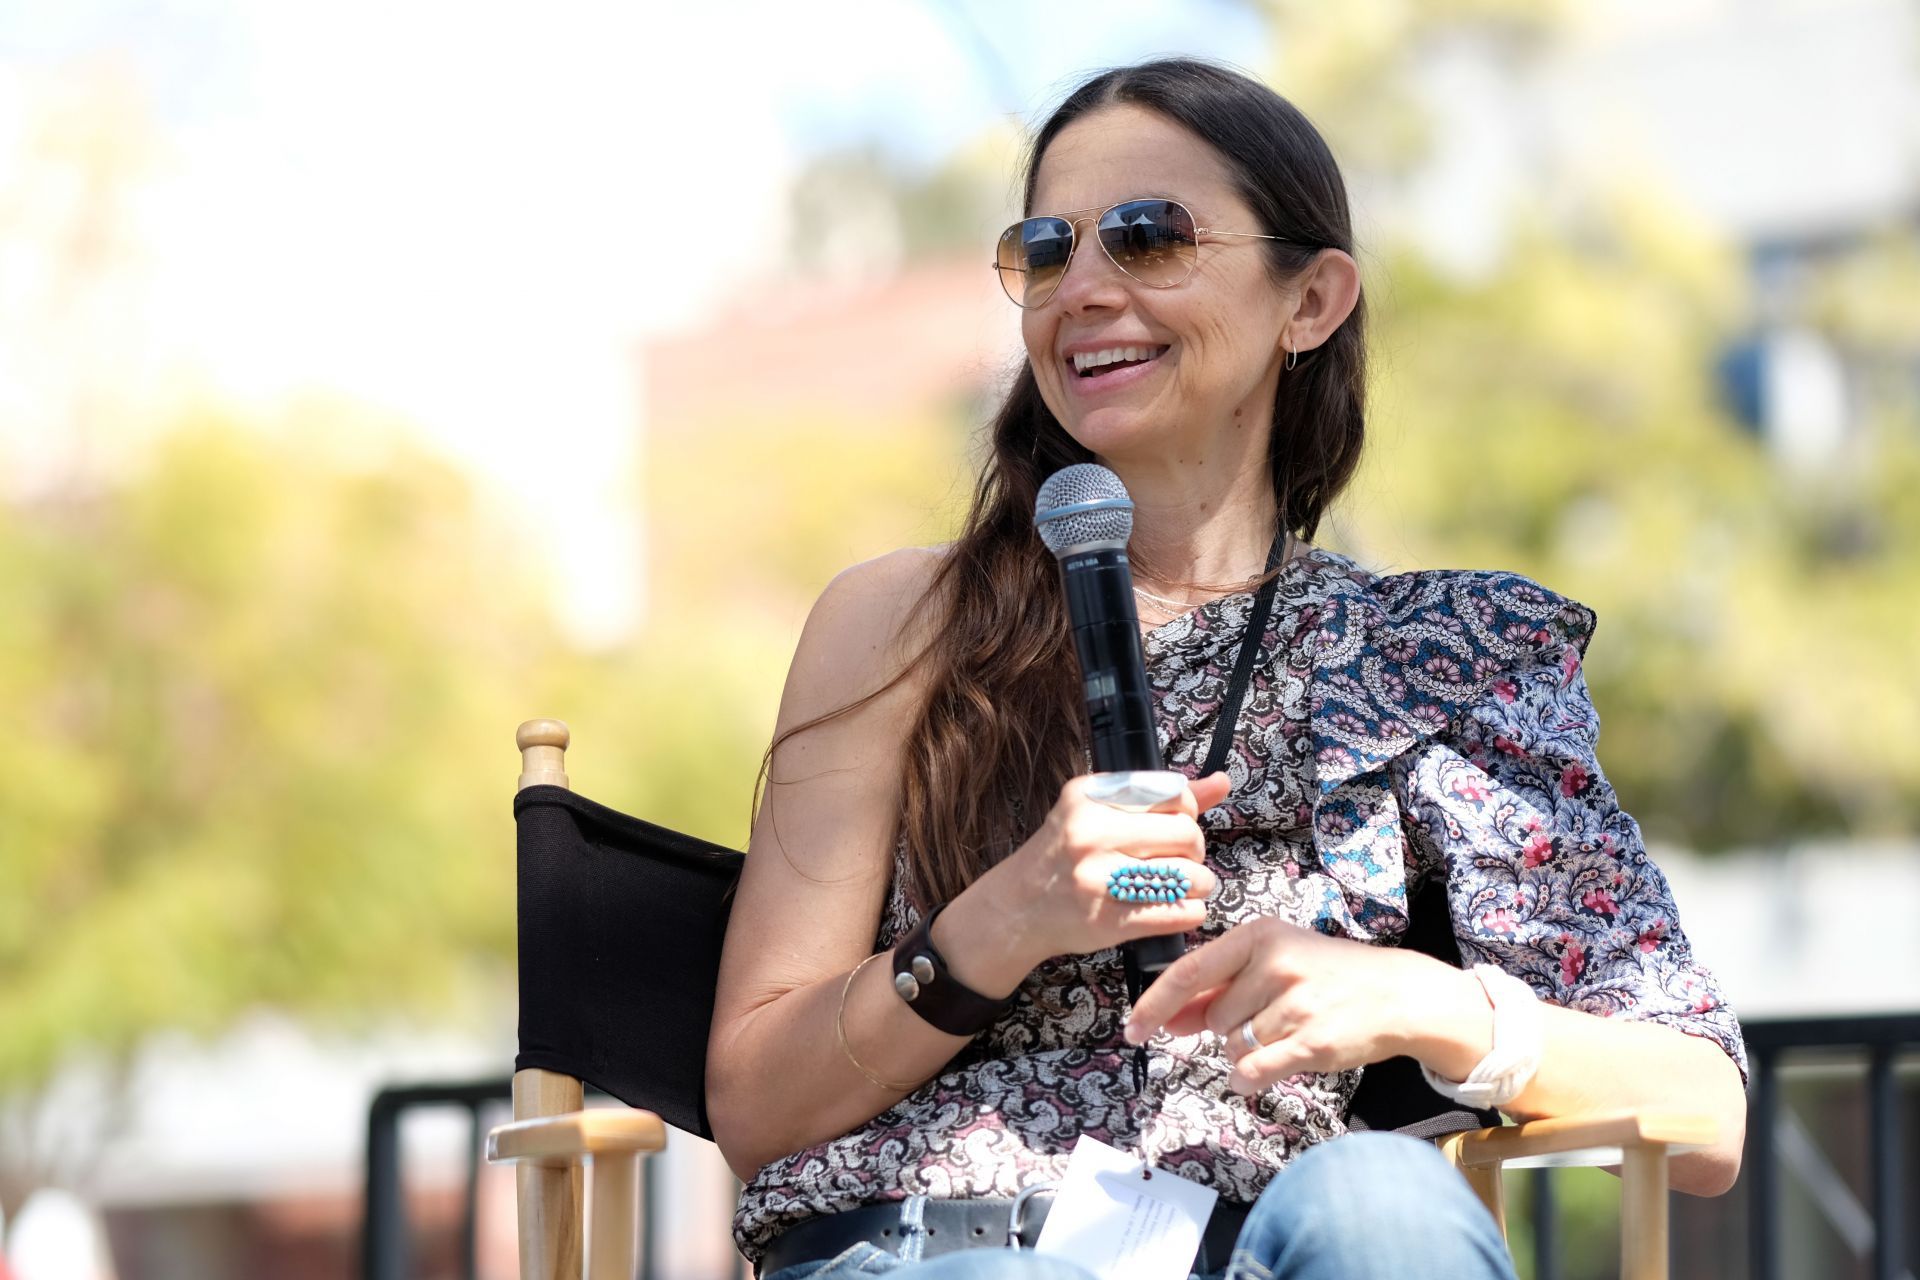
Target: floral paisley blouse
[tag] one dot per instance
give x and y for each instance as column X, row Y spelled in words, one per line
column 1397, row 728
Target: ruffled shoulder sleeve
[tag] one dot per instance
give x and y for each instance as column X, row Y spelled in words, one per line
column 1452, row 727
column 1394, row 662
column 1399, row 659
column 1546, row 875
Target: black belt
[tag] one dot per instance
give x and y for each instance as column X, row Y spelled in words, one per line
column 952, row 1225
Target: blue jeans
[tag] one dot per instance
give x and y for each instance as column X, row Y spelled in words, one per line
column 1362, row 1206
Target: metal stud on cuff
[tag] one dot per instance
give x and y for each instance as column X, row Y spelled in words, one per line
column 923, row 981
column 919, row 971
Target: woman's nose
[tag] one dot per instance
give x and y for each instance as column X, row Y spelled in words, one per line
column 1091, row 279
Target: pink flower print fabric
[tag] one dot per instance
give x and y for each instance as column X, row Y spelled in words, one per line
column 1547, row 876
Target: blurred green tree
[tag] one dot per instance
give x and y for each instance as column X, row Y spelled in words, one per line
column 1561, row 416
column 1753, row 668
column 256, row 694
column 260, row 755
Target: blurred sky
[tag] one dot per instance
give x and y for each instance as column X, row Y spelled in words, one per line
column 469, row 215
column 426, row 148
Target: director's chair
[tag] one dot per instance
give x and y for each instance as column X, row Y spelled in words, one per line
column 620, row 928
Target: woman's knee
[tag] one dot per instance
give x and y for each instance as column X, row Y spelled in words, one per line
column 1366, row 1160
column 1375, row 1202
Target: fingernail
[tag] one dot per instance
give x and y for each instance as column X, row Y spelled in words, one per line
column 1133, row 1034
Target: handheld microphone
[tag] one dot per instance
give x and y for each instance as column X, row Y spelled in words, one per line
column 1085, row 517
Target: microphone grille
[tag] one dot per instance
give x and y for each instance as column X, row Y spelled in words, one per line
column 1081, row 504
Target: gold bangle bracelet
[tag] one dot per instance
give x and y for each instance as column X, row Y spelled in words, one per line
column 840, row 1030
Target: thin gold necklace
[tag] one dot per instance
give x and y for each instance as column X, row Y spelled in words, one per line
column 1167, row 604
column 1164, row 603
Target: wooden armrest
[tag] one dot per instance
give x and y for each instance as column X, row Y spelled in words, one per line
column 1639, row 1142
column 1567, row 1141
column 558, row 1140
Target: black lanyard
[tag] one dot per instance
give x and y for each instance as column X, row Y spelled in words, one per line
column 1243, row 665
column 1217, row 752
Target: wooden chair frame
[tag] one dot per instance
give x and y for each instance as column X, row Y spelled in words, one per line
column 578, row 1169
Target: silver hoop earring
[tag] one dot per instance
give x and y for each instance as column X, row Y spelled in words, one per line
column 1293, row 357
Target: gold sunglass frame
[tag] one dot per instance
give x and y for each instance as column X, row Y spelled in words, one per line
column 1074, row 217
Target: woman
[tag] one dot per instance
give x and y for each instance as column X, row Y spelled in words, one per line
column 1192, row 316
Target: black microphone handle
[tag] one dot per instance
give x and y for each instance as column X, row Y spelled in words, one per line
column 1113, row 672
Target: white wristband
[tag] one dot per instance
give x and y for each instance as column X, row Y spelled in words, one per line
column 1515, row 1057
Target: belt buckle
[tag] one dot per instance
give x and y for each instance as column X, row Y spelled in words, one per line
column 1016, row 1215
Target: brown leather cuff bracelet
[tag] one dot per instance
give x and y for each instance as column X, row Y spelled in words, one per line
column 930, row 990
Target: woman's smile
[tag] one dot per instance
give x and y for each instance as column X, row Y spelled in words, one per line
column 1099, row 369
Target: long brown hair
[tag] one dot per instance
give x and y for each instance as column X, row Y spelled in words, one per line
column 1003, row 728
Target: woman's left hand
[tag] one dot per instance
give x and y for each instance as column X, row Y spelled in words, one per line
column 1315, row 1003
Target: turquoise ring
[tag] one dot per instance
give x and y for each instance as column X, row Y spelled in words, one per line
column 1145, row 882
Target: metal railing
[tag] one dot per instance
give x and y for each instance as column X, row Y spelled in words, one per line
column 384, row 1238
column 1774, row 1135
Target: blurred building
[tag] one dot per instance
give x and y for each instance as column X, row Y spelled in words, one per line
column 824, row 411
column 244, row 1156
column 1782, row 927
column 1791, row 129
column 866, row 349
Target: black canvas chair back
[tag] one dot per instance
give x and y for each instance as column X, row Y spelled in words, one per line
column 621, row 923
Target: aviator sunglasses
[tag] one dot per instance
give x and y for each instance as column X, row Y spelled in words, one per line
column 1152, row 239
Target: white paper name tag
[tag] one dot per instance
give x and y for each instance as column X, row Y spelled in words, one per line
column 1120, row 1221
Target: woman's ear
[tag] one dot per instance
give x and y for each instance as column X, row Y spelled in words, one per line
column 1328, row 291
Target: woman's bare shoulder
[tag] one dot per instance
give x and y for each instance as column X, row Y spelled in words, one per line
column 851, row 698
column 883, row 600
column 901, row 576
column 869, row 624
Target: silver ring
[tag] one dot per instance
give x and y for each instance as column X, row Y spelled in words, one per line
column 1249, row 1039
column 1136, row 790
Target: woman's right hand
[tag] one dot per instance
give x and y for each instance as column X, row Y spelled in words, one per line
column 1053, row 888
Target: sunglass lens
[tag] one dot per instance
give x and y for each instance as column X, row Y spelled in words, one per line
column 1151, row 240
column 1033, row 257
